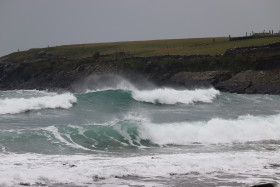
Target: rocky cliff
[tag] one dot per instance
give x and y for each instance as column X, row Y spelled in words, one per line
column 253, row 69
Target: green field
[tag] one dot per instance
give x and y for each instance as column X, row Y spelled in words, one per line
column 151, row 48
column 70, row 62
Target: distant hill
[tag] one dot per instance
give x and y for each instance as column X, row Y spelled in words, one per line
column 191, row 46
column 241, row 66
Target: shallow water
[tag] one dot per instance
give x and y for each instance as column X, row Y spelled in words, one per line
column 124, row 136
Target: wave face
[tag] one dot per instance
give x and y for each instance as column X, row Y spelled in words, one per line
column 138, row 133
column 44, row 101
column 172, row 96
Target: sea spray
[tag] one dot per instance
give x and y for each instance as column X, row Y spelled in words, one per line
column 103, row 82
column 122, row 85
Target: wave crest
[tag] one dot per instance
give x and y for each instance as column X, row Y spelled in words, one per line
column 215, row 131
column 19, row 105
column 172, row 96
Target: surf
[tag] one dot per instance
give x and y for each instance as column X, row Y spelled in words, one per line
column 17, row 105
column 168, row 96
column 173, row 96
column 136, row 132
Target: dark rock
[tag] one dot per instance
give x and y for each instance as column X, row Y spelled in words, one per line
column 98, row 178
column 253, row 49
column 201, row 79
column 264, row 185
column 40, row 184
column 252, row 82
column 25, row 184
column 41, row 54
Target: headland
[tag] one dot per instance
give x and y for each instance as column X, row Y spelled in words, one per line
column 246, row 65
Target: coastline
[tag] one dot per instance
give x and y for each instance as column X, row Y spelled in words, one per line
column 250, row 70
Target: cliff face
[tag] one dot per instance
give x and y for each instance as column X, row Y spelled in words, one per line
column 249, row 81
column 253, row 69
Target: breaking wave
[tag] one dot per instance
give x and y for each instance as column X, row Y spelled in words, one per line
column 172, row 96
column 152, row 94
column 51, row 101
column 241, row 130
column 166, row 95
column 139, row 132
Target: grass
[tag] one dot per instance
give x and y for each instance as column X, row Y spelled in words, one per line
column 149, row 48
column 84, row 58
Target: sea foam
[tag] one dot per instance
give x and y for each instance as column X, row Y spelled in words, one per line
column 241, row 130
column 35, row 169
column 51, row 101
column 172, row 96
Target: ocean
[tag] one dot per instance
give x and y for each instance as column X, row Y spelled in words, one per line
column 123, row 135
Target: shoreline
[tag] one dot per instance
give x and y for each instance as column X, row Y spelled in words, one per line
column 249, row 70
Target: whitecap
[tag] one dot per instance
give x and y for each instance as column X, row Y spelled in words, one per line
column 51, row 101
column 241, row 130
column 172, row 96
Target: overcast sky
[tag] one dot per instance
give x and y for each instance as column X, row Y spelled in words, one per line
column 26, row 24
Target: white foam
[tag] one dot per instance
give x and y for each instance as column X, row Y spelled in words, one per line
column 18, row 105
column 172, row 96
column 245, row 167
column 162, row 95
column 215, row 131
column 243, row 129
column 70, row 143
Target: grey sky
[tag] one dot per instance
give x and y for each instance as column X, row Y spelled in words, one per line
column 28, row 24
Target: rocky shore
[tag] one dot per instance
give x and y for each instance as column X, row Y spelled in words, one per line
column 251, row 70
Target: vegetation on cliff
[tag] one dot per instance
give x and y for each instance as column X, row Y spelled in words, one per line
column 159, row 61
column 192, row 46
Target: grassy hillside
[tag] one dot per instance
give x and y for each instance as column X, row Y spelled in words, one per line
column 158, row 60
column 150, row 48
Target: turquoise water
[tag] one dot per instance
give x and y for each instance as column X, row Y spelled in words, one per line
column 121, row 136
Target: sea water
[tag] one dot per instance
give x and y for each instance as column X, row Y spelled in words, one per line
column 125, row 136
